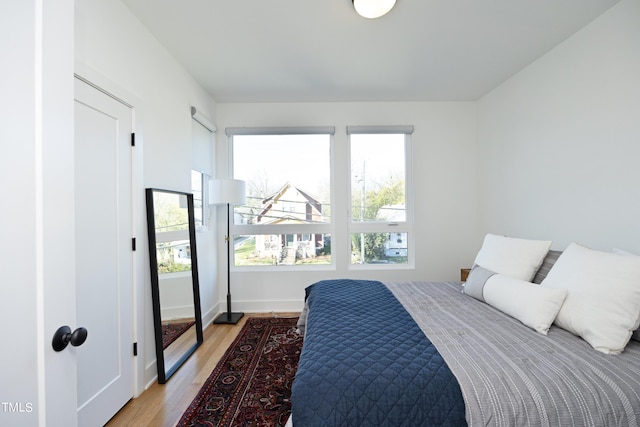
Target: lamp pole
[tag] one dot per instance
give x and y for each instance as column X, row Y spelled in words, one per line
column 229, row 192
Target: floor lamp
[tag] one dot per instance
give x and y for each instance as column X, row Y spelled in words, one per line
column 228, row 192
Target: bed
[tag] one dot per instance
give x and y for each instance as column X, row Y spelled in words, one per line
column 431, row 354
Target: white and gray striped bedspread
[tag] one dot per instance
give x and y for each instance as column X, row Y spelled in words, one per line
column 512, row 376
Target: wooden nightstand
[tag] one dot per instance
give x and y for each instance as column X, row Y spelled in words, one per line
column 464, row 273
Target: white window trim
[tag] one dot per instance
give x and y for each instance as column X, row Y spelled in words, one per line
column 337, row 204
column 247, row 229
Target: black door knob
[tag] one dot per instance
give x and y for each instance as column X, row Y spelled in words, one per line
column 64, row 336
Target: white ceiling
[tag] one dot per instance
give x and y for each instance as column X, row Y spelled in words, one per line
column 321, row 50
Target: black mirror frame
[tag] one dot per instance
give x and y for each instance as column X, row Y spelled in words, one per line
column 165, row 374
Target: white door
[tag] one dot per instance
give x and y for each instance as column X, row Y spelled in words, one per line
column 104, row 257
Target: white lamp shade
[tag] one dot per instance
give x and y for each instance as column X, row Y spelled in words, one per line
column 231, row 191
column 373, row 8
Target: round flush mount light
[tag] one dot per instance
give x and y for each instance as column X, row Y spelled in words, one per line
column 373, row 8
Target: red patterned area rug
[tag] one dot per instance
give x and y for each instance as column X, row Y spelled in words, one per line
column 251, row 386
column 172, row 330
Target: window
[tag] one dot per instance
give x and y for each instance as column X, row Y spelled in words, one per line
column 287, row 218
column 198, row 180
column 201, row 165
column 173, row 251
column 380, row 214
column 288, row 221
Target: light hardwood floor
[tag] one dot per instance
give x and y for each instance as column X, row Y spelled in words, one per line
column 164, row 404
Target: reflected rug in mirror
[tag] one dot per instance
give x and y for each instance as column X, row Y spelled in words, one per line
column 251, row 385
column 172, row 330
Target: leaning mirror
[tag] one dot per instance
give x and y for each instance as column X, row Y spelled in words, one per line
column 174, row 278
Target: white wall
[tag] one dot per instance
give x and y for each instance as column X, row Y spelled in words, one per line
column 444, row 159
column 177, row 296
column 113, row 48
column 560, row 141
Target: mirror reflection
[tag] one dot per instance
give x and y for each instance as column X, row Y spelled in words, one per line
column 174, row 278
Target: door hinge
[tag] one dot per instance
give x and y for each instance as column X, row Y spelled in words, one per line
column 133, row 139
column 133, row 244
column 135, row 348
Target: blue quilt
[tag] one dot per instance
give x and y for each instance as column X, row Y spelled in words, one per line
column 365, row 362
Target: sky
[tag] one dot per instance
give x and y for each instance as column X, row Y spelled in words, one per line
column 304, row 160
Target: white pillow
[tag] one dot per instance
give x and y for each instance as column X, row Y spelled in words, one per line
column 531, row 304
column 603, row 300
column 518, row 258
column 636, row 334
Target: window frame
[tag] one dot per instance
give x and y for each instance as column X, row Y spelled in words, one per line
column 364, row 227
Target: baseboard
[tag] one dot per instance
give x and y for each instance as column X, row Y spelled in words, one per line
column 208, row 317
column 282, row 306
column 150, row 374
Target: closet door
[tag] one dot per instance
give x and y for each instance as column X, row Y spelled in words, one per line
column 104, row 254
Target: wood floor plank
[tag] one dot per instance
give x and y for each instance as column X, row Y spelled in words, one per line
column 164, row 404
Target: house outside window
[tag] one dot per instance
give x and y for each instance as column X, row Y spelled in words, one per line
column 286, row 221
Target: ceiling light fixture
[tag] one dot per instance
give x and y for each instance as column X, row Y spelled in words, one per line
column 373, row 8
